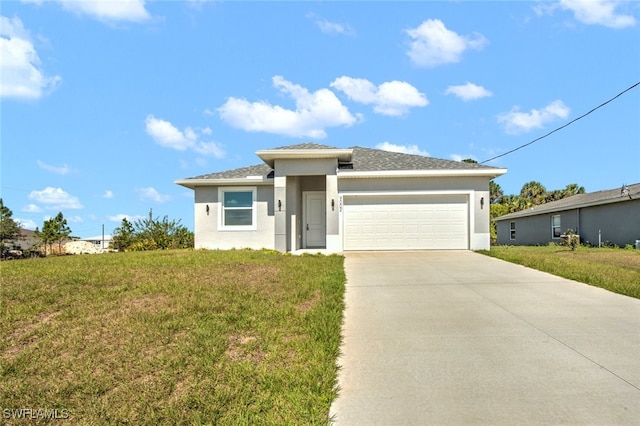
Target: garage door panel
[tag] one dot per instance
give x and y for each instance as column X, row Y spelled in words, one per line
column 406, row 222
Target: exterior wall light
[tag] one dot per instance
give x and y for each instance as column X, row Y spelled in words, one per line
column 481, row 203
column 279, row 205
column 333, row 204
column 207, row 209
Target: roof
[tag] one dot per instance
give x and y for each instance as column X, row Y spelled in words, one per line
column 352, row 161
column 368, row 159
column 580, row 201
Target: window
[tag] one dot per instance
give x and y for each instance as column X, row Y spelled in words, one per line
column 237, row 210
column 512, row 229
column 555, row 226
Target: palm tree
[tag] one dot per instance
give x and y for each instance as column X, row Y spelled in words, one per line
column 533, row 193
column 495, row 192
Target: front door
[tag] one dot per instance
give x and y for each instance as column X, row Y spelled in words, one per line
column 315, row 219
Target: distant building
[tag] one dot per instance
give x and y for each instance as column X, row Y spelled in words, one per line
column 611, row 216
column 100, row 242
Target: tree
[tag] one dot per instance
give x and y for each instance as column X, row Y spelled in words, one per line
column 46, row 236
column 9, row 228
column 54, row 230
column 570, row 190
column 123, row 236
column 152, row 234
column 533, row 193
column 495, row 192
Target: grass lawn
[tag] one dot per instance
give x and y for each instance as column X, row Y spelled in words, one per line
column 172, row 337
column 614, row 269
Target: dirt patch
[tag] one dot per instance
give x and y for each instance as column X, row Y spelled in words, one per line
column 308, row 304
column 23, row 335
column 242, row 348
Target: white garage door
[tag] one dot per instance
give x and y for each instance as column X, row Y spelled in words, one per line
column 406, row 222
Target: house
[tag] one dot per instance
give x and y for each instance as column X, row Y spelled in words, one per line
column 26, row 241
column 318, row 197
column 611, row 216
column 99, row 242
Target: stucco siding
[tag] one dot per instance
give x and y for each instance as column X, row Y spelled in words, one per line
column 617, row 223
column 535, row 230
column 475, row 188
column 207, row 233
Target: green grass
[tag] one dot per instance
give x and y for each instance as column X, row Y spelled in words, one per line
column 614, row 269
column 172, row 337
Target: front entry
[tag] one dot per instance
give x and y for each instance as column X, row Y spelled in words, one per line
column 314, row 218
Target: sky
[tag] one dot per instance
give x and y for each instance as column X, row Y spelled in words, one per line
column 104, row 104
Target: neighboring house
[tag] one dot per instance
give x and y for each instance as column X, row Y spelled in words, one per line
column 100, row 242
column 611, row 216
column 312, row 196
column 26, row 241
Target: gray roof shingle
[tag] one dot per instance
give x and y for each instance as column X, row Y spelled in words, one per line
column 368, row 159
column 241, row 173
column 579, row 200
column 363, row 159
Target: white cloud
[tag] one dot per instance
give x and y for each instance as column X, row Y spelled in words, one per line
column 32, row 208
column 329, row 27
column 434, row 44
column 150, row 193
column 598, row 12
column 108, row 10
column 314, row 112
column 26, row 224
column 130, row 218
column 515, row 121
column 404, row 149
column 169, row 136
column 21, row 75
column 74, row 219
column 393, row 98
column 468, row 92
column 55, row 199
column 60, row 170
column 107, row 194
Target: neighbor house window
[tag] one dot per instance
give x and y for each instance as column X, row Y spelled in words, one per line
column 555, row 226
column 237, row 210
column 512, row 230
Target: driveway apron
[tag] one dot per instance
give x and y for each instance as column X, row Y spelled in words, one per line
column 459, row 338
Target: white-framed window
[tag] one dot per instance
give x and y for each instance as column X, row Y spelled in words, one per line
column 512, row 230
column 556, row 229
column 237, row 210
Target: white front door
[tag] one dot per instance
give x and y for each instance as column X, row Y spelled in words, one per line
column 315, row 219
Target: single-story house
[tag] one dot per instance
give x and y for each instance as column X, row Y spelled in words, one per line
column 611, row 216
column 100, row 242
column 319, row 197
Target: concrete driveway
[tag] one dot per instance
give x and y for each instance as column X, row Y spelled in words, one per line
column 455, row 337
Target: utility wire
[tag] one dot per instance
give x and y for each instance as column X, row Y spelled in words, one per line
column 565, row 125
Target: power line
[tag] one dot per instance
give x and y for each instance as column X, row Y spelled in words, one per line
column 565, row 125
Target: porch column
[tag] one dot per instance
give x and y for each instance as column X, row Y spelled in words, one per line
column 334, row 242
column 280, row 212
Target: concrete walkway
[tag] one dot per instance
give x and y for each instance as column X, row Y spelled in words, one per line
column 458, row 338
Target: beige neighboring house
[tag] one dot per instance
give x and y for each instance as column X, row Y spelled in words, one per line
column 318, row 197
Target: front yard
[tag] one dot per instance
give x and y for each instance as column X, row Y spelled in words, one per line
column 614, row 269
column 171, row 337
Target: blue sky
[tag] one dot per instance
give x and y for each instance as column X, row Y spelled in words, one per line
column 105, row 104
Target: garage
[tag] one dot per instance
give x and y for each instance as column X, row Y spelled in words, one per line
column 406, row 222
